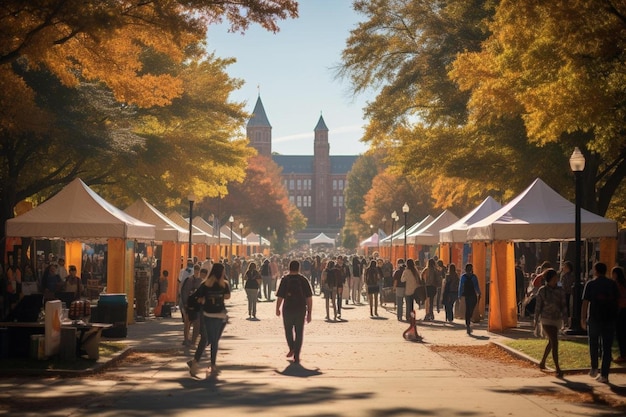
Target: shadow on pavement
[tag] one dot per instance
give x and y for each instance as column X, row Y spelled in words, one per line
column 297, row 370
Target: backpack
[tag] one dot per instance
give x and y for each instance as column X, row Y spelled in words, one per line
column 468, row 289
column 193, row 306
column 371, row 277
column 331, row 277
column 294, row 295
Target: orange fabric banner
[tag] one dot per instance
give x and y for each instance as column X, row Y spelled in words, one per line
column 502, row 298
column 170, row 262
column 74, row 255
column 608, row 252
column 479, row 255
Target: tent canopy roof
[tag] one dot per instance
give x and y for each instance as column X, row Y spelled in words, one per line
column 322, row 238
column 457, row 231
column 198, row 235
column 398, row 237
column 429, row 234
column 370, row 242
column 166, row 229
column 540, row 214
column 77, row 212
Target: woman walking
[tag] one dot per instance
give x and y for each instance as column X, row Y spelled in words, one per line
column 329, row 288
column 410, row 277
column 550, row 311
column 617, row 274
column 450, row 292
column 212, row 293
column 252, row 284
column 373, row 276
column 470, row 290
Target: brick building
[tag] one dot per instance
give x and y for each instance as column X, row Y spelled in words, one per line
column 315, row 183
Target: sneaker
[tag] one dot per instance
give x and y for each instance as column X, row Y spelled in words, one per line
column 194, row 368
column 290, row 354
column 593, row 372
column 602, row 379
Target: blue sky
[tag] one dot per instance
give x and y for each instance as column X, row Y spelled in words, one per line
column 293, row 70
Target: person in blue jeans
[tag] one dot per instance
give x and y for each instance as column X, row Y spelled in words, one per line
column 598, row 317
column 399, row 288
column 469, row 288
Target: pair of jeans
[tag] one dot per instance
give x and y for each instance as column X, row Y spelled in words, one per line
column 601, row 333
column 252, row 294
column 409, row 305
column 470, row 304
column 267, row 286
column 399, row 302
column 356, row 290
column 212, row 329
column 294, row 331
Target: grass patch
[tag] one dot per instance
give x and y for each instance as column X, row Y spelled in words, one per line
column 573, row 354
column 107, row 349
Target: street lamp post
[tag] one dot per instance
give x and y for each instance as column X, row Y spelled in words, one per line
column 394, row 219
column 231, row 220
column 371, row 231
column 384, row 220
column 577, row 164
column 191, row 199
column 405, row 210
column 241, row 236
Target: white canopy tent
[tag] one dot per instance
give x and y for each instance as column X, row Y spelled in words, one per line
column 398, row 238
column 166, row 230
column 206, row 227
column 322, row 239
column 429, row 234
column 370, row 242
column 78, row 213
column 198, row 235
column 539, row 214
column 457, row 231
column 254, row 240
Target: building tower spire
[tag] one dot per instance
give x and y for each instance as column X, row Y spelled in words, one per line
column 259, row 129
column 321, row 172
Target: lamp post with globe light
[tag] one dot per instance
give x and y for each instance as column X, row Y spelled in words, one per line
column 405, row 210
column 241, row 237
column 191, row 199
column 577, row 164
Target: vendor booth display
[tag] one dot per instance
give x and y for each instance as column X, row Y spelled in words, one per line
column 538, row 214
column 77, row 213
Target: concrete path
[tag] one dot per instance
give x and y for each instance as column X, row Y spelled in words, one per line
column 360, row 366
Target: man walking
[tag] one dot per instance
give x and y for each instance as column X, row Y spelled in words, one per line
column 598, row 316
column 469, row 288
column 295, row 297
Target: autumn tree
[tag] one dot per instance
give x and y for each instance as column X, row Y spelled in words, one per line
column 359, row 181
column 489, row 95
column 558, row 68
column 259, row 202
column 100, row 57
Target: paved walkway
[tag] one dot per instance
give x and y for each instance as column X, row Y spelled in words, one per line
column 358, row 367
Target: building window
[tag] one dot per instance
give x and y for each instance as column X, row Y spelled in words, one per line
column 299, row 201
column 340, row 201
column 291, row 200
column 334, row 184
column 340, row 184
column 299, row 184
column 334, row 201
column 291, row 184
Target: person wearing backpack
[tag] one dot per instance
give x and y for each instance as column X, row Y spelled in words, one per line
column 372, row 279
column 469, row 288
column 295, row 297
column 211, row 296
column 598, row 316
column 329, row 288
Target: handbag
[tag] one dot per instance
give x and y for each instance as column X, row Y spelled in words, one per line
column 420, row 293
